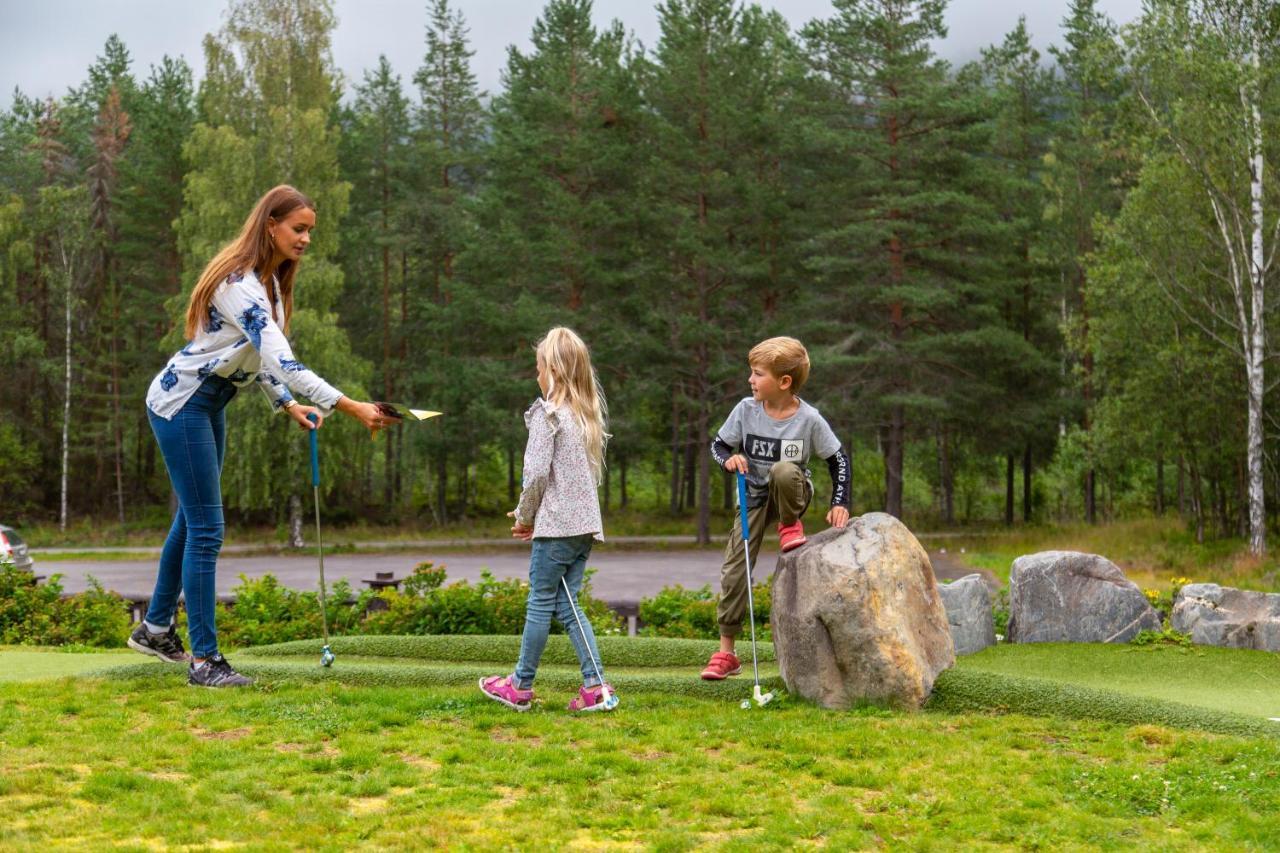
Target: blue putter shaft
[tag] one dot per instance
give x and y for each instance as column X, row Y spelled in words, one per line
column 326, row 656
column 746, row 552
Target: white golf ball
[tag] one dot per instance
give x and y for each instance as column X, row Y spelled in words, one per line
column 746, row 704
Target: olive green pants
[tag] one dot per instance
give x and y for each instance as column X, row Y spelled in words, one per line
column 789, row 494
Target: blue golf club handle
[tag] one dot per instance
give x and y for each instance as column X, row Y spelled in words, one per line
column 742, row 504
column 315, row 452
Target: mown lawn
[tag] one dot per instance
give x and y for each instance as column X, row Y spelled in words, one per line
column 98, row 763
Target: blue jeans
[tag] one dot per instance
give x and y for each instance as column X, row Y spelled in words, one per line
column 553, row 559
column 193, row 444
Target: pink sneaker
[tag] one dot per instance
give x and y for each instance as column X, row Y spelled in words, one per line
column 592, row 699
column 791, row 536
column 500, row 688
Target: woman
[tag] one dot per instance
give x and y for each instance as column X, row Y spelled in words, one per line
column 236, row 323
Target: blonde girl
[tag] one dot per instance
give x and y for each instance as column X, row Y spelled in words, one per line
column 559, row 511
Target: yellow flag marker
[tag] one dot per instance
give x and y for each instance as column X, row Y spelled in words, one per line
column 400, row 410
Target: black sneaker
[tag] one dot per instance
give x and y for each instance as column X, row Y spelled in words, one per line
column 166, row 646
column 216, row 672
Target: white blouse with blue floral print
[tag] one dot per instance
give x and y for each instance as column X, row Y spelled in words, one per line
column 242, row 343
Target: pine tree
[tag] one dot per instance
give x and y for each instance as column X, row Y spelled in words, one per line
column 1082, row 173
column 1022, row 92
column 907, row 246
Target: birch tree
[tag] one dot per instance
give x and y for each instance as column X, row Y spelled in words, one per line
column 1206, row 78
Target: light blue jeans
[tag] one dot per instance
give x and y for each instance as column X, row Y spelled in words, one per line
column 193, row 444
column 553, row 559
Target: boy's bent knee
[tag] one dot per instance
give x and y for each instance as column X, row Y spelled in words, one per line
column 785, row 472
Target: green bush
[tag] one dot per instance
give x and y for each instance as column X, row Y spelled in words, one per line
column 691, row 613
column 266, row 612
column 490, row 606
column 31, row 614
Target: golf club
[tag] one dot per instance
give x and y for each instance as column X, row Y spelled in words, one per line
column 761, row 698
column 610, row 699
column 326, row 654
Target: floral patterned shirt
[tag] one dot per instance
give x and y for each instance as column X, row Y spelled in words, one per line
column 559, row 496
column 242, row 343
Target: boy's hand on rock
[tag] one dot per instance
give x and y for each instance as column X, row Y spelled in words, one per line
column 737, row 463
column 838, row 517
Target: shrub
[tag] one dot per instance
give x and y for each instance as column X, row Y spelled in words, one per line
column 31, row 614
column 691, row 613
column 266, row 612
column 490, row 606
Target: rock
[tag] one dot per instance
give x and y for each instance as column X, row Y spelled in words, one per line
column 968, row 605
column 1066, row 596
column 857, row 617
column 1222, row 616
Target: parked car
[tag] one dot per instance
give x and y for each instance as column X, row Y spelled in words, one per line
column 12, row 547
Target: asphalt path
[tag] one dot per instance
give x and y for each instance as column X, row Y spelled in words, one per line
column 622, row 576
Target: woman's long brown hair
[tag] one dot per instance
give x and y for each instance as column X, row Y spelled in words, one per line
column 250, row 251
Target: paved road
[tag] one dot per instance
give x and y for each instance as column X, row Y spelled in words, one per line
column 623, row 576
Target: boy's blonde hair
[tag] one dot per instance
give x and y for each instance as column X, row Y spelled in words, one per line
column 782, row 357
column 573, row 383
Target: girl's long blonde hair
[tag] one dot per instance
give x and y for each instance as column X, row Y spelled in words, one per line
column 251, row 250
column 573, row 383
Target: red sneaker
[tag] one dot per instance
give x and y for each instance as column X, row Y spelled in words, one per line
column 791, row 536
column 721, row 666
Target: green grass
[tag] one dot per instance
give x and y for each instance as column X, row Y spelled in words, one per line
column 1238, row 681
column 394, row 747
column 90, row 763
column 23, row 663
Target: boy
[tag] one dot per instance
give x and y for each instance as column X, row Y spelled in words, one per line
column 770, row 437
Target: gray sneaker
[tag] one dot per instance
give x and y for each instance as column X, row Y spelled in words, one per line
column 166, row 646
column 216, row 672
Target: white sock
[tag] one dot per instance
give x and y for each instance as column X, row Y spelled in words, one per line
column 155, row 629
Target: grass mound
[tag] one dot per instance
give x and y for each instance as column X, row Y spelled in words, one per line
column 964, row 691
column 367, row 672
column 614, row 651
column 1240, row 681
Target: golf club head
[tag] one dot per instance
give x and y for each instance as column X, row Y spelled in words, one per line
column 610, row 700
column 762, row 698
column 326, row 656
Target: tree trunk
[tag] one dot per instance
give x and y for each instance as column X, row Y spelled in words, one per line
column 295, row 522
column 946, row 478
column 66, row 398
column 893, row 457
column 1256, row 345
column 704, row 476
column 1008, row 490
column 622, row 481
column 675, row 456
column 511, row 476
column 1026, row 484
column 1160, row 484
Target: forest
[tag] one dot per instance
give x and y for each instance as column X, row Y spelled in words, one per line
column 1034, row 288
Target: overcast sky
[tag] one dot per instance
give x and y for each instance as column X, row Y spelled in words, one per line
column 47, row 45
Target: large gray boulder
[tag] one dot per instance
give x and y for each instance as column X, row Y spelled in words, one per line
column 968, row 605
column 857, row 617
column 1067, row 596
column 1222, row 616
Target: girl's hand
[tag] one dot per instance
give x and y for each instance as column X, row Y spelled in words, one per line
column 838, row 517
column 737, row 463
column 518, row 530
column 299, row 413
column 368, row 414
